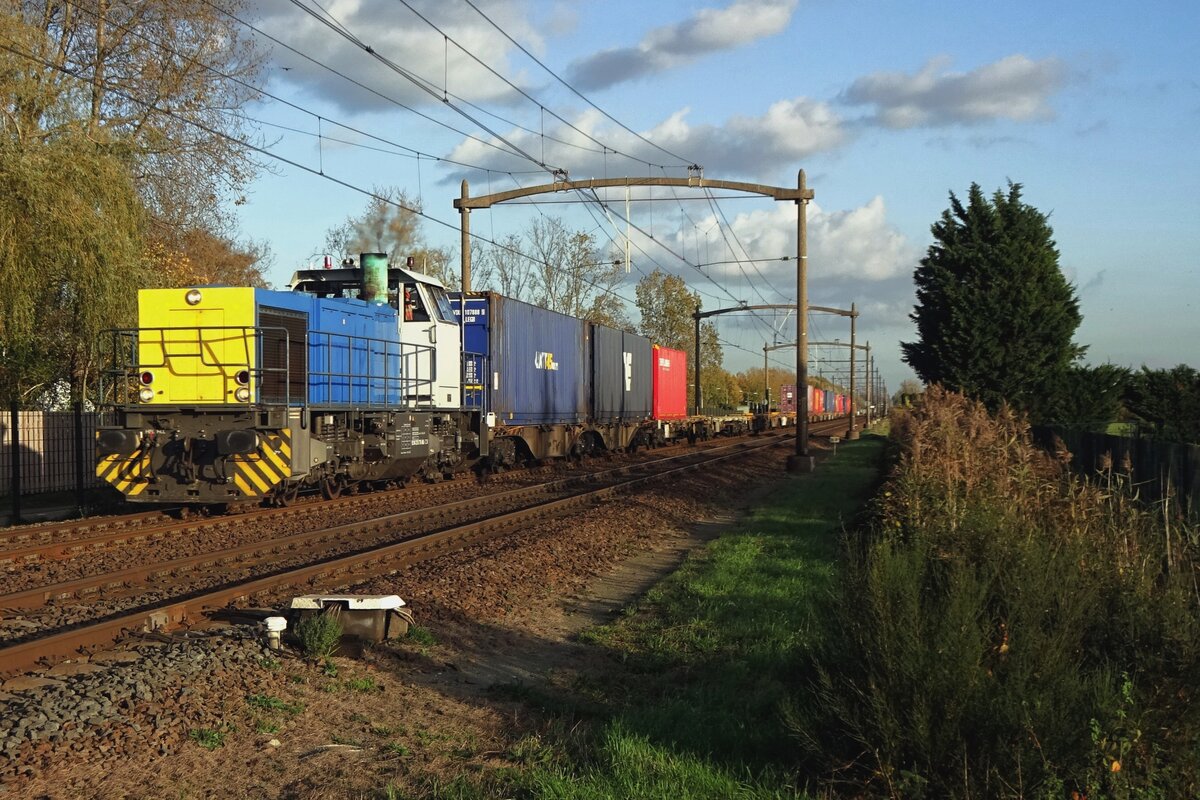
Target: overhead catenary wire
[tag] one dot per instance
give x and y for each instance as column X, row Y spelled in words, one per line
column 428, row 87
column 334, row 24
column 518, row 89
column 575, row 91
column 371, row 90
column 421, row 84
column 410, row 152
column 418, row 154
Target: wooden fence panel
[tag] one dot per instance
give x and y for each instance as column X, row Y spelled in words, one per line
column 1156, row 469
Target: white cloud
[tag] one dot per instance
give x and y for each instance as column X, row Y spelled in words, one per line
column 855, row 244
column 789, row 131
column 1014, row 88
column 398, row 35
column 709, row 30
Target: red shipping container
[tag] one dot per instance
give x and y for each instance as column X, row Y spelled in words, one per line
column 787, row 398
column 816, row 400
column 670, row 383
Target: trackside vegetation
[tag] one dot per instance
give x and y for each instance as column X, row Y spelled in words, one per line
column 1004, row 630
column 704, row 664
column 978, row 624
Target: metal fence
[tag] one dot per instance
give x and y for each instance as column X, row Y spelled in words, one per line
column 1158, row 470
column 47, row 451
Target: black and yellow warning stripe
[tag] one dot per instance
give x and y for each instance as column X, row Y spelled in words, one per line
column 255, row 474
column 129, row 474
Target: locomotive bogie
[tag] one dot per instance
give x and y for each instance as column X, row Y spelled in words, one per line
column 219, row 456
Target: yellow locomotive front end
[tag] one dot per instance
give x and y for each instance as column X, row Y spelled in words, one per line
column 189, row 426
column 196, row 346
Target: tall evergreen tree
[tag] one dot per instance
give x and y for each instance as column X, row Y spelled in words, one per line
column 1168, row 400
column 994, row 314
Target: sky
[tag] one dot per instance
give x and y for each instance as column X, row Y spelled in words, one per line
column 888, row 107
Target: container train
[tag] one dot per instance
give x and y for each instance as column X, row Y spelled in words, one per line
column 822, row 403
column 369, row 374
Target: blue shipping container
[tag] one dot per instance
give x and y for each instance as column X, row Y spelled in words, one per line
column 829, row 402
column 534, row 366
column 622, row 378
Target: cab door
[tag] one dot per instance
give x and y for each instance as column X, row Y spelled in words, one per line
column 432, row 345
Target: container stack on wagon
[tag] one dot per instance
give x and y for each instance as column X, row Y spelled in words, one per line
column 670, row 384
column 622, row 382
column 551, row 385
column 816, row 400
column 787, row 398
column 534, row 366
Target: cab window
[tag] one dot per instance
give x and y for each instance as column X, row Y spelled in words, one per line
column 413, row 304
column 445, row 310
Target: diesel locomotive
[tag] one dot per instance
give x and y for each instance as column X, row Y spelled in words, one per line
column 366, row 374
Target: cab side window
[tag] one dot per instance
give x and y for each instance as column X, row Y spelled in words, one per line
column 414, row 306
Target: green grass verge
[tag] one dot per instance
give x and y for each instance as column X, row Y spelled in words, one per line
column 709, row 655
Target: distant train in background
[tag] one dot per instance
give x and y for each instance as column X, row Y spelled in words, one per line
column 370, row 375
column 822, row 403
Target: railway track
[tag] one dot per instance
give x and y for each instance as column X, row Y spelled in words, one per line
column 58, row 555
column 93, row 611
column 68, row 539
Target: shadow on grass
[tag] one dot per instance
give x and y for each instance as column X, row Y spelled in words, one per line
column 682, row 695
column 715, row 647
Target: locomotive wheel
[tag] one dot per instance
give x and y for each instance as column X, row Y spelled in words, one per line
column 284, row 496
column 330, row 488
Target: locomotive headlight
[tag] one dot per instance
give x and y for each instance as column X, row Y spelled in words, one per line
column 242, row 395
column 146, row 378
column 145, row 394
column 243, row 377
column 192, row 297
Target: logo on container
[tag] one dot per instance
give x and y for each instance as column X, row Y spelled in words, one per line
column 664, row 363
column 628, row 357
column 545, row 361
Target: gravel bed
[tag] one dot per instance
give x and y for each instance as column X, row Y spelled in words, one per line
column 227, row 532
column 501, row 579
column 127, row 716
column 32, row 622
column 121, row 703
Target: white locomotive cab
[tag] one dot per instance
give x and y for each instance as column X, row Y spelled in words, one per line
column 427, row 320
